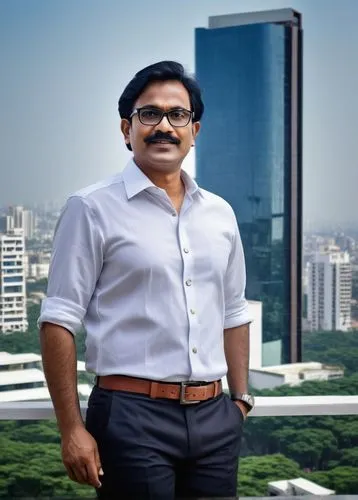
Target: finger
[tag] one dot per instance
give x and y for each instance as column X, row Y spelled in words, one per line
column 98, row 462
column 92, row 474
column 70, row 473
column 80, row 473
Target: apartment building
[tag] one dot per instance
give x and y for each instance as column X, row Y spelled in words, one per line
column 329, row 291
column 13, row 313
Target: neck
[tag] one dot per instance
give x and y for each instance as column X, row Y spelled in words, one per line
column 170, row 181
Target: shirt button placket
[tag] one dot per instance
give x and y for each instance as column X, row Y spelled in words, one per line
column 189, row 290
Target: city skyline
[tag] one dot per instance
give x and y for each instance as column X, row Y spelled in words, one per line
column 64, row 67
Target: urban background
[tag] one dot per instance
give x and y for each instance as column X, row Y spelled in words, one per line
column 278, row 140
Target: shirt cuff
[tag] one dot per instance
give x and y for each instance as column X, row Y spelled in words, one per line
column 237, row 318
column 61, row 312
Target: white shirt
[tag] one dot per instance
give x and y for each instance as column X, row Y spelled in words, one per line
column 153, row 289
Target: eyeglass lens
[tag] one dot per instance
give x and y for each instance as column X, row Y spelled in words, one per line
column 176, row 117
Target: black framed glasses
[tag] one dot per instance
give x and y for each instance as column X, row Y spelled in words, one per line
column 177, row 117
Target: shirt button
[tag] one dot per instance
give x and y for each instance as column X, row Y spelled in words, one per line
column 186, row 250
column 192, row 311
column 174, row 214
column 188, row 282
column 195, row 350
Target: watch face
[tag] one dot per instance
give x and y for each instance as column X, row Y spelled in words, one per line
column 246, row 398
column 250, row 400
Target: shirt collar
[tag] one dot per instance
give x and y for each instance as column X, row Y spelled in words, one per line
column 135, row 181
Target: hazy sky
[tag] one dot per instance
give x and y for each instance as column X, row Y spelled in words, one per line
column 64, row 64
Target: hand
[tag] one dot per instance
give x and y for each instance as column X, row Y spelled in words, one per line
column 80, row 457
column 242, row 407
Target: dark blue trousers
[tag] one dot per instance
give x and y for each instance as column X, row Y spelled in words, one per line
column 161, row 450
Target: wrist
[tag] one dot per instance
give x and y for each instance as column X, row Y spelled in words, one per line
column 242, row 407
column 245, row 399
column 67, row 427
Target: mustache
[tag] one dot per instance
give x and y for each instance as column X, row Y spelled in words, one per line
column 161, row 136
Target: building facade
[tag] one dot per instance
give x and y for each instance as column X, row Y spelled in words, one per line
column 292, row 374
column 249, row 152
column 329, row 291
column 13, row 313
column 22, row 378
column 20, row 218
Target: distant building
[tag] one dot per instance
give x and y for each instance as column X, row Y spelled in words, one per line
column 22, row 378
column 13, row 312
column 250, row 152
column 293, row 374
column 20, row 218
column 16, row 212
column 35, row 297
column 37, row 264
column 10, row 362
column 29, row 224
column 297, row 487
column 38, row 271
column 6, row 223
column 345, row 243
column 329, row 291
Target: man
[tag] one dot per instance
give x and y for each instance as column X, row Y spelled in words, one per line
column 153, row 267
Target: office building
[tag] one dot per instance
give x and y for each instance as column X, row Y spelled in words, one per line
column 329, row 291
column 19, row 218
column 13, row 313
column 249, row 152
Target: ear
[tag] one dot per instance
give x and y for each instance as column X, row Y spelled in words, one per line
column 195, row 130
column 125, row 128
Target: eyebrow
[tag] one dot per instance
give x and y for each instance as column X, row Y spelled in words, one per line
column 158, row 107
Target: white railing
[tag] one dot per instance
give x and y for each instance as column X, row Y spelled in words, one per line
column 265, row 407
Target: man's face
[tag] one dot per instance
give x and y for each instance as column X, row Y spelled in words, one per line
column 162, row 146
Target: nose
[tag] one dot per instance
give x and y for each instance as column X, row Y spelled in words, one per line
column 164, row 125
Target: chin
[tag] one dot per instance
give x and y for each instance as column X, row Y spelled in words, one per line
column 165, row 159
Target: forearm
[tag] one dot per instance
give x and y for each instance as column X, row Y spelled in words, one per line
column 237, row 350
column 60, row 366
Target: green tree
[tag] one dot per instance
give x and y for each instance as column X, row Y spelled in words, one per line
column 350, row 457
column 35, row 469
column 310, row 448
column 256, row 472
column 344, row 480
column 318, row 346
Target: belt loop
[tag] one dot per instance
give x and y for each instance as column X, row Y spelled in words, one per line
column 153, row 390
column 216, row 388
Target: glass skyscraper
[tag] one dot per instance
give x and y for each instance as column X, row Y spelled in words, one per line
column 249, row 151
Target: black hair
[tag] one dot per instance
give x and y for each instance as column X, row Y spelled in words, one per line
column 161, row 71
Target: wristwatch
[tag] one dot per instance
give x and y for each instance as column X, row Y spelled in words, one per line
column 247, row 399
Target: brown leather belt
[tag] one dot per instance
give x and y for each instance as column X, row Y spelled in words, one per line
column 185, row 392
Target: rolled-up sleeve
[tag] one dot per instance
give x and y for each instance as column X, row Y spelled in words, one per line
column 76, row 263
column 236, row 305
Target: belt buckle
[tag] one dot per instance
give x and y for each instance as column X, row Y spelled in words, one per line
column 183, row 386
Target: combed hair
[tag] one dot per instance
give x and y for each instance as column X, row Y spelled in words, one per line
column 161, row 71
